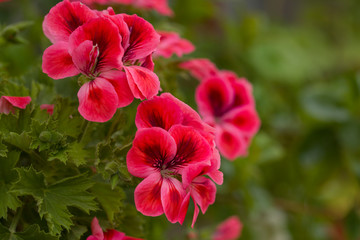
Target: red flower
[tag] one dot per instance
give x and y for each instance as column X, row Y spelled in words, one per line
column 230, row 229
column 229, row 107
column 100, row 45
column 166, row 119
column 48, row 107
column 94, row 49
column 9, row 103
column 225, row 102
column 112, row 234
column 160, row 157
column 171, row 43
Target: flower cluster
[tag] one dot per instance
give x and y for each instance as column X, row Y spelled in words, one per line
column 112, row 51
column 98, row 234
column 225, row 101
column 173, row 151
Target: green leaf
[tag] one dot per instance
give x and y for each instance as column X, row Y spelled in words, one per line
column 77, row 153
column 3, row 149
column 111, row 161
column 7, row 123
column 110, row 199
column 32, row 232
column 76, row 232
column 10, row 88
column 60, row 155
column 53, row 200
column 7, row 177
column 68, row 120
column 21, row 141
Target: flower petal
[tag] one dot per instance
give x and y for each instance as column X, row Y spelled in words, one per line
column 104, row 34
column 192, row 118
column 96, row 230
column 98, row 100
column 171, row 43
column 196, row 214
column 217, row 176
column 184, row 207
column 7, row 103
column 48, row 107
column 57, row 62
column 200, row 68
column 192, row 148
column 148, row 196
column 203, row 191
column 121, row 85
column 147, row 62
column 193, row 171
column 19, row 102
column 85, row 57
column 158, row 112
column 243, row 93
column 230, row 229
column 143, row 82
column 160, row 6
column 244, row 118
column 123, row 28
column 213, row 97
column 112, row 234
column 230, row 141
column 143, row 38
column 64, row 18
column 152, row 147
column 172, row 196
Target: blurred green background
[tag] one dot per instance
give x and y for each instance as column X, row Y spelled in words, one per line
column 301, row 178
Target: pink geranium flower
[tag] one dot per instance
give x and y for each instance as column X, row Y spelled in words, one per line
column 160, row 157
column 230, row 229
column 171, row 43
column 168, row 113
column 9, row 103
column 225, row 102
column 229, row 107
column 98, row 234
column 94, row 49
column 112, row 51
column 48, row 107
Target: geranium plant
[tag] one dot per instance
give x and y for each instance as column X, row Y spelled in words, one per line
column 107, row 154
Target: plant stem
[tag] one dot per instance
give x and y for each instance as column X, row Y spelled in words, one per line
column 126, row 146
column 114, row 124
column 15, row 220
column 85, row 128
